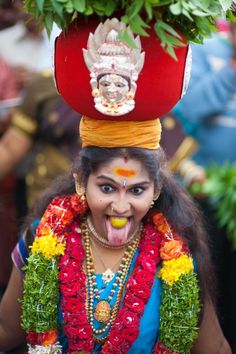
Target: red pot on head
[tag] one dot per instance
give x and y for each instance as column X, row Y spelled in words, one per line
column 159, row 85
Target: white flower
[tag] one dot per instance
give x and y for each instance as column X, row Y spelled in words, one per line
column 50, row 349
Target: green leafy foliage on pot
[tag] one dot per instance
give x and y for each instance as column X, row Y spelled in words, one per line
column 193, row 18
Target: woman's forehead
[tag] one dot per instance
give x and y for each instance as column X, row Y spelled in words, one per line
column 123, row 167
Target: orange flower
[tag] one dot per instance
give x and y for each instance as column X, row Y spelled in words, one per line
column 44, row 230
column 171, row 249
column 161, row 224
column 49, row 337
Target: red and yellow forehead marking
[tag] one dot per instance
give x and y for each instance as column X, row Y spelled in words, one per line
column 125, row 172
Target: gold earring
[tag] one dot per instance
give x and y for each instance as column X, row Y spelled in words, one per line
column 152, row 204
column 80, row 190
column 156, row 196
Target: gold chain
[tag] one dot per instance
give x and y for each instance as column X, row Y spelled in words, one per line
column 108, row 274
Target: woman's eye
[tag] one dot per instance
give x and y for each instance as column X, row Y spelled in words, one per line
column 137, row 190
column 106, row 188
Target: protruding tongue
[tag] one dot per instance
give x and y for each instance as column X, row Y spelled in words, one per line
column 117, row 230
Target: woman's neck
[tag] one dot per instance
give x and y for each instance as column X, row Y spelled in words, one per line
column 105, row 258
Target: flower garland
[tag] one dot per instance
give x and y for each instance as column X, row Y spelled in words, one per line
column 56, row 263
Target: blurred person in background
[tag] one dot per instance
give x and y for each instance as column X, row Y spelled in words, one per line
column 39, row 135
column 208, row 111
column 24, row 54
column 8, row 95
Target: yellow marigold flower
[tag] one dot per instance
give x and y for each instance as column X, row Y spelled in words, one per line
column 49, row 246
column 173, row 269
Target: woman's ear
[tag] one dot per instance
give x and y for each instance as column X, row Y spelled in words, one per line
column 79, row 188
column 156, row 195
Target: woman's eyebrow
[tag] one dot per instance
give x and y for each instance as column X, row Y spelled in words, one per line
column 142, row 183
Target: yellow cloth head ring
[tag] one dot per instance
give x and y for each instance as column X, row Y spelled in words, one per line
column 109, row 134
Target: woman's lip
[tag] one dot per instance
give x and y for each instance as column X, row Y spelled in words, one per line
column 119, row 216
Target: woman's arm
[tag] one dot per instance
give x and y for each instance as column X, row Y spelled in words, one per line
column 211, row 339
column 11, row 334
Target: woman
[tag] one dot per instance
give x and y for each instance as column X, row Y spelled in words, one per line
column 120, row 186
column 122, row 265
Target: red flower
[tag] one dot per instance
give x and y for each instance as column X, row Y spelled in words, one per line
column 70, row 289
column 118, row 325
column 75, row 264
column 152, row 250
column 134, row 303
column 116, row 338
column 71, row 331
column 72, row 240
column 76, row 345
column 32, row 338
column 79, row 204
column 132, row 281
column 124, row 347
column 130, row 319
column 64, row 260
column 76, row 319
column 149, row 264
column 149, row 236
column 85, row 332
column 143, row 276
column 66, row 274
column 141, row 290
column 73, row 305
column 130, row 334
column 109, row 348
column 78, row 253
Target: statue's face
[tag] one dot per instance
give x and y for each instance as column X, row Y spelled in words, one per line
column 113, row 87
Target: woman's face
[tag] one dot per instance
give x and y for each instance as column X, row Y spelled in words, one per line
column 119, row 195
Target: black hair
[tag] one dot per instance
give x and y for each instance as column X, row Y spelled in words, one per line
column 177, row 206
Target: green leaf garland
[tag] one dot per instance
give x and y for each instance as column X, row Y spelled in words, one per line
column 179, row 313
column 45, row 282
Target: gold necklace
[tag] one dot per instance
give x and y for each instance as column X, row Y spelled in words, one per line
column 105, row 243
column 108, row 274
column 103, row 312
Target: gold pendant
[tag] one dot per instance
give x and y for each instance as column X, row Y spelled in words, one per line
column 102, row 311
column 107, row 276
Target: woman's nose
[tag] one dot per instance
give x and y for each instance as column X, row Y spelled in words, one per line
column 121, row 206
